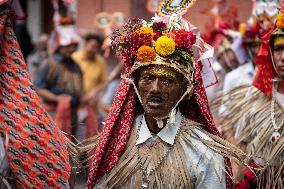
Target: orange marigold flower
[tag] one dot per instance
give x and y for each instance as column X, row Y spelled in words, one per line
column 280, row 21
column 146, row 31
column 146, row 54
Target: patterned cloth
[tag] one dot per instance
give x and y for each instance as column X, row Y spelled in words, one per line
column 265, row 70
column 36, row 149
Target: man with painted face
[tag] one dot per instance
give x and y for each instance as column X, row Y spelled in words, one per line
column 257, row 115
column 160, row 132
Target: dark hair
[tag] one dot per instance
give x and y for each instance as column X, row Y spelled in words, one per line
column 96, row 37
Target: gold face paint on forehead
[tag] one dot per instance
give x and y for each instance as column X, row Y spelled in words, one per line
column 279, row 40
column 163, row 71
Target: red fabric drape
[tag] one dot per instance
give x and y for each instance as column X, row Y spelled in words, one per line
column 36, row 150
column 265, row 70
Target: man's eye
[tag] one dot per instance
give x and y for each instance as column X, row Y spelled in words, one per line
column 168, row 81
column 147, row 78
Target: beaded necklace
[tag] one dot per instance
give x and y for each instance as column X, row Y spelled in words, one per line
column 276, row 134
column 145, row 178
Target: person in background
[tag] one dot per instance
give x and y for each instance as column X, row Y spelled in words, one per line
column 256, row 116
column 225, row 61
column 92, row 64
column 60, row 81
column 231, row 57
column 226, row 57
column 94, row 71
column 251, row 42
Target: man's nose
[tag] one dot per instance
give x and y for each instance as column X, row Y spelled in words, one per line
column 155, row 85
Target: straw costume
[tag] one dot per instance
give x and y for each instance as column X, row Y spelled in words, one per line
column 255, row 116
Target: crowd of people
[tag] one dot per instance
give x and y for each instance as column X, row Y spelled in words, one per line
column 71, row 75
column 177, row 110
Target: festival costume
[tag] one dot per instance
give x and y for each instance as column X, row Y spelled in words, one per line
column 176, row 48
column 35, row 149
column 190, row 163
column 62, row 76
column 255, row 118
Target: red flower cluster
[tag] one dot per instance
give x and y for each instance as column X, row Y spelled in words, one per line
column 158, row 28
column 157, row 34
column 139, row 40
column 184, row 39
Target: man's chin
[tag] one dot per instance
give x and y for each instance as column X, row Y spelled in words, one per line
column 156, row 113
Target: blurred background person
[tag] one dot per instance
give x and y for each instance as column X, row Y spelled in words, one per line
column 92, row 64
column 60, row 81
column 225, row 61
column 94, row 71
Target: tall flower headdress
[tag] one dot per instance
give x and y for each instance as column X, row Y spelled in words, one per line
column 171, row 42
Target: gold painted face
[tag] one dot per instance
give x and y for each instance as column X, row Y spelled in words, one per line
column 278, row 55
column 278, row 40
column 160, row 88
column 167, row 73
